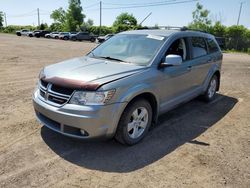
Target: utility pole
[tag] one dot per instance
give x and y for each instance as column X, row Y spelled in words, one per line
column 5, row 19
column 100, row 18
column 239, row 13
column 38, row 17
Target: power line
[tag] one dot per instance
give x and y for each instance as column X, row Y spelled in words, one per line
column 129, row 4
column 24, row 14
column 89, row 6
column 152, row 5
column 142, row 6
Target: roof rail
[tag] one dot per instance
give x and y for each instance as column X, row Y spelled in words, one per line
column 184, row 28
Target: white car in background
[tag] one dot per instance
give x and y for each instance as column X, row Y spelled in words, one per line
column 52, row 35
column 22, row 32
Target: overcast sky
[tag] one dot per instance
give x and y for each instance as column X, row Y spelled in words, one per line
column 25, row 13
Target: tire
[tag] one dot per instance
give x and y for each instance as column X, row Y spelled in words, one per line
column 18, row 34
column 132, row 128
column 92, row 40
column 73, row 38
column 65, row 38
column 210, row 93
column 56, row 37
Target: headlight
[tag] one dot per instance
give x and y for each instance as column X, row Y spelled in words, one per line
column 41, row 74
column 92, row 98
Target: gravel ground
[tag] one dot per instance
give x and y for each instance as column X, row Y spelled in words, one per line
column 195, row 145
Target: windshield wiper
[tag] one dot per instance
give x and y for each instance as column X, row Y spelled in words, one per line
column 109, row 58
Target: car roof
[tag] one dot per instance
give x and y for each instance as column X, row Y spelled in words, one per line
column 168, row 32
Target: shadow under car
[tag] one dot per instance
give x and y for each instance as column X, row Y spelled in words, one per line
column 174, row 129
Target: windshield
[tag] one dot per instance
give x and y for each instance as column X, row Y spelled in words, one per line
column 130, row 48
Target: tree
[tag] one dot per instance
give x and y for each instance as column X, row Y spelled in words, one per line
column 59, row 15
column 56, row 27
column 237, row 35
column 125, row 19
column 124, row 22
column 200, row 18
column 218, row 30
column 1, row 19
column 74, row 15
column 90, row 22
column 43, row 26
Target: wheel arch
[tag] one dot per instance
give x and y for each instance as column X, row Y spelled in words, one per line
column 217, row 73
column 151, row 98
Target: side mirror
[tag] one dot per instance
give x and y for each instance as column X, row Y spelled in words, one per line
column 171, row 60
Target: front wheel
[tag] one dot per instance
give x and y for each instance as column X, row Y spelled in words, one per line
column 134, row 122
column 211, row 90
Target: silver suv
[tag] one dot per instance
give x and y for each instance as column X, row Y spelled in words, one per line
column 121, row 87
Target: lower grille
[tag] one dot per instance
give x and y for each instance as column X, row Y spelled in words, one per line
column 60, row 127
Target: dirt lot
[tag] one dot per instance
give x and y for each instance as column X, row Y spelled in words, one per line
column 196, row 145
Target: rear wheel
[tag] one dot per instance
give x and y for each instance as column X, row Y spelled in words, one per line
column 56, row 37
column 65, row 38
column 92, row 39
column 134, row 122
column 211, row 89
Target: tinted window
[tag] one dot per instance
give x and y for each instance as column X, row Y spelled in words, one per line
column 199, row 46
column 212, row 46
column 178, row 47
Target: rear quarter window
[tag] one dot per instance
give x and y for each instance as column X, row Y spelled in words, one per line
column 212, row 46
column 199, row 47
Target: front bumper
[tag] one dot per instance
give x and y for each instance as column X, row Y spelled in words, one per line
column 70, row 119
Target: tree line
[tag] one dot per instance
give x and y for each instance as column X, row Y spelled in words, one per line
column 236, row 37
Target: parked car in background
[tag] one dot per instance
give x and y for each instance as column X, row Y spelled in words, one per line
column 83, row 36
column 66, row 35
column 122, row 86
column 22, row 32
column 50, row 35
column 41, row 33
column 31, row 33
column 104, row 38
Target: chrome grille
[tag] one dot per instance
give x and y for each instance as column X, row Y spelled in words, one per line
column 54, row 94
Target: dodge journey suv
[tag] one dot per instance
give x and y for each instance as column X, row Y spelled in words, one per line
column 121, row 87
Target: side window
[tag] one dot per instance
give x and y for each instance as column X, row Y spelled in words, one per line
column 178, row 47
column 212, row 46
column 199, row 47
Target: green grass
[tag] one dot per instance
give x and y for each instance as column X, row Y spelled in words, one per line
column 236, row 51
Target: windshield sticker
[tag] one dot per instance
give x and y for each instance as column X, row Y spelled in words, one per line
column 155, row 37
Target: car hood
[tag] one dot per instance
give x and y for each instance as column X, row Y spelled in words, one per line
column 88, row 73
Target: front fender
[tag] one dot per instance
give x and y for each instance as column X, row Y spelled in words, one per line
column 136, row 90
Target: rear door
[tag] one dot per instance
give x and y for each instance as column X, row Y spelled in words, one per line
column 200, row 60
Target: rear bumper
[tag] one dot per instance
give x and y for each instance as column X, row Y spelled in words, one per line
column 95, row 121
